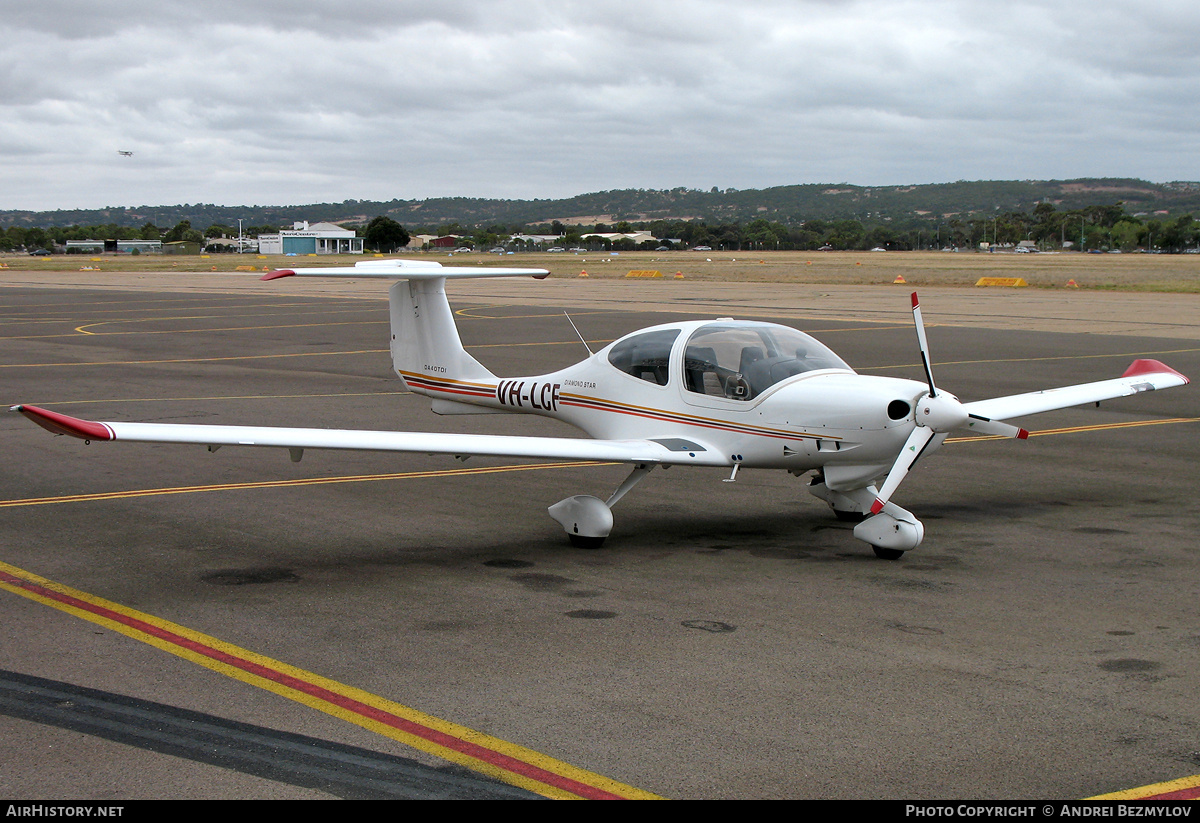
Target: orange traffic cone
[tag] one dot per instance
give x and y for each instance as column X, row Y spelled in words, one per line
column 899, row 279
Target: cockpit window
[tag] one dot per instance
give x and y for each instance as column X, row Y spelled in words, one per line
column 646, row 356
column 741, row 361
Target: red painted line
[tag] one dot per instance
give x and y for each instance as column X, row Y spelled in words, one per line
column 481, row 753
column 1192, row 793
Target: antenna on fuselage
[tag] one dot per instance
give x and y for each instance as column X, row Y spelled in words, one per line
column 581, row 340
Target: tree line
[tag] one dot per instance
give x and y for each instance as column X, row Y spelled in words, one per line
column 1092, row 228
column 35, row 237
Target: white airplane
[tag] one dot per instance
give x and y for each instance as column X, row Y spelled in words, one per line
column 726, row 393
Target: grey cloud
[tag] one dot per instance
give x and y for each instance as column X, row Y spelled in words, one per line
column 272, row 101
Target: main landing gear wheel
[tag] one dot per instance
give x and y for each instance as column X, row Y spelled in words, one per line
column 587, row 520
column 887, row 554
column 580, row 541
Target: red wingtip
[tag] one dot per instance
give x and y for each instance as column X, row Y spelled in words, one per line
column 1022, row 434
column 541, row 276
column 877, row 506
column 916, row 302
column 63, row 424
column 1150, row 367
column 277, row 273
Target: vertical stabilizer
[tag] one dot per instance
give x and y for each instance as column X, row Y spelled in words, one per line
column 427, row 352
column 425, row 341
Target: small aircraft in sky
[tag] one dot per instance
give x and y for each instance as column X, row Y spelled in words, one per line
column 124, row 153
column 722, row 393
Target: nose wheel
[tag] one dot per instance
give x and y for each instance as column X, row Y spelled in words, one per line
column 890, row 532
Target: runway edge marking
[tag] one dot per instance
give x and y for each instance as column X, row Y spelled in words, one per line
column 479, row 752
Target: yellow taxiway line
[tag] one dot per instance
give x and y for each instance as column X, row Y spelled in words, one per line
column 482, row 753
column 275, row 484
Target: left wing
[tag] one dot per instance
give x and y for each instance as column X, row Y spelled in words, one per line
column 667, row 450
column 1141, row 376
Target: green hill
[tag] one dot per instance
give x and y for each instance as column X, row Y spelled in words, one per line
column 789, row 205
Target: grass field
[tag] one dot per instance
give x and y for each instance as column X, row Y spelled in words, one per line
column 1122, row 272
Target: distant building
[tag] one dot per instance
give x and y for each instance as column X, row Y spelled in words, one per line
column 118, row 246
column 140, row 246
column 318, row 238
column 81, row 246
column 636, row 236
column 180, row 247
column 232, row 244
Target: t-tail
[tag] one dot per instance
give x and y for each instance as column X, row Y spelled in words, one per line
column 427, row 353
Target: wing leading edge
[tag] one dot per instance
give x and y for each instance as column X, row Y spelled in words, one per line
column 672, row 451
column 1141, row 376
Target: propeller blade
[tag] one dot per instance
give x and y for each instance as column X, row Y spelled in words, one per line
column 923, row 343
column 914, row 447
column 935, row 414
column 983, row 425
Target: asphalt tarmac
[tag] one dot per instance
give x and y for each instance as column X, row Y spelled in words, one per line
column 731, row 640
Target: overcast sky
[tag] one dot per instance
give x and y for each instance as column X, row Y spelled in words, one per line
column 293, row 101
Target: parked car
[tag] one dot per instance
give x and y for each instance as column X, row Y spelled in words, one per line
column 40, row 253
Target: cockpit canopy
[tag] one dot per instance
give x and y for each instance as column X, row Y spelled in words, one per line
column 736, row 360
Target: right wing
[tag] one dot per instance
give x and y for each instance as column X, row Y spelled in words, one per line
column 666, row 450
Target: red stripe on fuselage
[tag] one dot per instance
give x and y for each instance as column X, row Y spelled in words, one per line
column 423, row 383
column 597, row 404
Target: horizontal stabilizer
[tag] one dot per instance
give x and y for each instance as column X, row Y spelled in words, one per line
column 406, row 270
